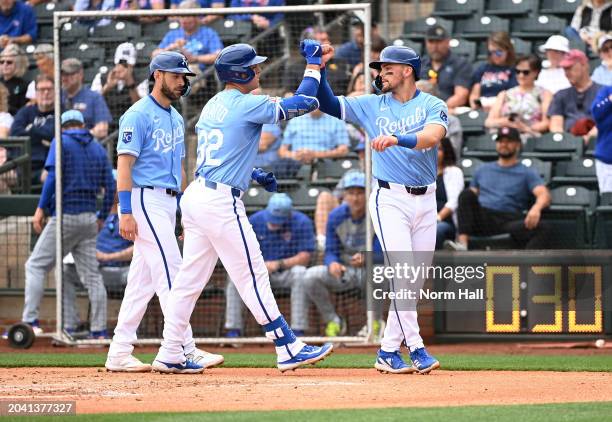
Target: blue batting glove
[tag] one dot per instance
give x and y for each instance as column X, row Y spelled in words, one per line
column 265, row 179
column 312, row 51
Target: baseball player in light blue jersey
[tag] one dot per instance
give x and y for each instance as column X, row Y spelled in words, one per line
column 405, row 126
column 214, row 217
column 150, row 177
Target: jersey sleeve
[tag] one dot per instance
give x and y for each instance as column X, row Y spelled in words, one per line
column 132, row 133
column 437, row 113
column 260, row 108
column 354, row 109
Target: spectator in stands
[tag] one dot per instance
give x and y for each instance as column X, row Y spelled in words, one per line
column 552, row 78
column 343, row 263
column 85, row 171
column 14, row 63
column 496, row 75
column 6, row 119
column 269, row 143
column 352, row 51
column 376, row 47
column 94, row 6
column 591, row 17
column 455, row 131
column 118, row 87
column 312, row 136
column 602, row 112
column 523, row 107
column 205, row 4
column 338, row 73
column 37, row 122
column 498, row 196
column 199, row 44
column 356, row 85
column 449, row 185
column 570, row 110
column 7, row 179
column 602, row 74
column 451, row 74
column 286, row 240
column 263, row 21
column 78, row 97
column 142, row 5
column 43, row 54
column 17, row 23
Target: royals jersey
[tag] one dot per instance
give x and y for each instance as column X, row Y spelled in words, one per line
column 384, row 115
column 155, row 135
column 228, row 132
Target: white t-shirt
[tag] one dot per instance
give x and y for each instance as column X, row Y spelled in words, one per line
column 6, row 120
column 552, row 80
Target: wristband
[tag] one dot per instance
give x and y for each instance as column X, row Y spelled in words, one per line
column 125, row 201
column 407, row 141
column 311, row 73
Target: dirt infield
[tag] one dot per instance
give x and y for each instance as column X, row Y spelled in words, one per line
column 220, row 389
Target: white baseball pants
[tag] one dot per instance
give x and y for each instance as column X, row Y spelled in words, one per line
column 403, row 222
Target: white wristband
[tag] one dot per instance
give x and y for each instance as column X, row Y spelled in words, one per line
column 311, row 73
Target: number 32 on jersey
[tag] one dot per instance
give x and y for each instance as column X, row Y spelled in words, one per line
column 208, row 143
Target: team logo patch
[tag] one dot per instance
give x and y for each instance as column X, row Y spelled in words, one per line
column 126, row 138
column 444, row 117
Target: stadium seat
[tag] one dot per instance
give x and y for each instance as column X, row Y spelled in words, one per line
column 569, row 216
column 231, row 31
column 602, row 225
column 416, row 29
column 502, row 241
column 565, row 8
column 480, row 27
column 458, row 8
column 88, row 53
column 472, row 122
column 544, row 168
column 405, row 41
column 576, row 172
column 305, row 197
column 118, row 31
column 44, row 11
column 329, row 172
column 256, row 198
column 72, row 32
column 590, row 147
column 540, row 27
column 511, row 8
column 157, row 31
column 482, row 147
column 554, row 147
column 144, row 49
column 45, row 33
column 469, row 166
column 464, row 48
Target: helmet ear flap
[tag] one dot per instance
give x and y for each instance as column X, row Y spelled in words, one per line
column 186, row 88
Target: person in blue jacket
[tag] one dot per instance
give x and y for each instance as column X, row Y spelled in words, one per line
column 602, row 113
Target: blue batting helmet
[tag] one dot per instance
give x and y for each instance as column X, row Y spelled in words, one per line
column 233, row 64
column 173, row 62
column 401, row 55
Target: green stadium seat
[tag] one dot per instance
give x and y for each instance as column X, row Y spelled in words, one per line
column 305, row 197
column 554, row 147
column 469, row 166
column 576, row 172
column 602, row 225
column 482, row 147
column 458, row 8
column 157, row 31
column 404, row 41
column 88, row 53
column 538, row 27
column 544, row 168
column 590, row 147
column 565, row 8
column 256, row 198
column 118, row 31
column 416, row 29
column 472, row 122
column 45, row 33
column 231, row 31
column 144, row 49
column 511, row 8
column 73, row 32
column 44, row 11
column 569, row 216
column 480, row 27
column 464, row 48
column 329, row 172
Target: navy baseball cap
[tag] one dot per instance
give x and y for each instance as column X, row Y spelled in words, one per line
column 509, row 133
column 72, row 116
column 353, row 179
column 279, row 209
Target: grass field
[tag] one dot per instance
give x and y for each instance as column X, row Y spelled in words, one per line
column 545, row 412
column 455, row 362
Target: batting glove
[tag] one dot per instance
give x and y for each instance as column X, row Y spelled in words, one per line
column 265, row 179
column 312, row 51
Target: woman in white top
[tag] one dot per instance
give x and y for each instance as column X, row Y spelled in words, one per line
column 523, row 107
column 449, row 185
column 552, row 78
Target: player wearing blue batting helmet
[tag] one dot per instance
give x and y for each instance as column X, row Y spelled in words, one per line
column 173, row 62
column 233, row 64
column 400, row 55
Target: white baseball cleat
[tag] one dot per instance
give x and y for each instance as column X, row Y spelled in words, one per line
column 204, row 358
column 126, row 364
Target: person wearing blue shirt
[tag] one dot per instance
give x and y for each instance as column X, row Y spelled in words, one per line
column 602, row 113
column 286, row 238
column 76, row 96
column 269, row 143
column 260, row 21
column 352, row 51
column 199, row 44
column 499, row 194
column 86, row 170
column 17, row 23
